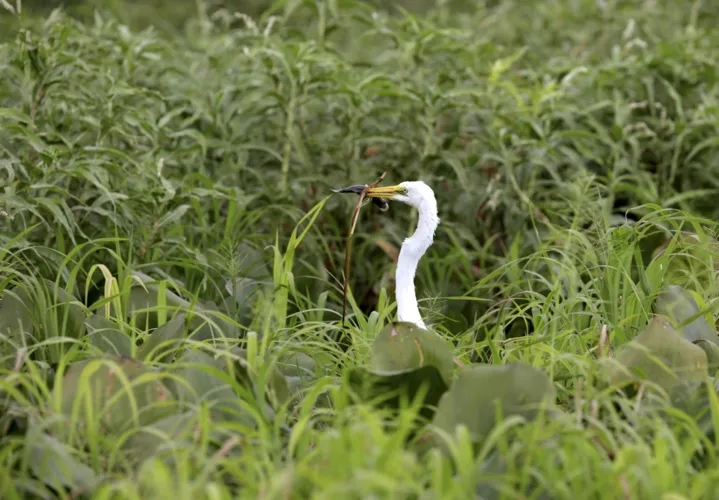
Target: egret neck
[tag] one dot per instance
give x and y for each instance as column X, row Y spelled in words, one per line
column 411, row 252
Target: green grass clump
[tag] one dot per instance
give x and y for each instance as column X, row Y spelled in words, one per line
column 171, row 258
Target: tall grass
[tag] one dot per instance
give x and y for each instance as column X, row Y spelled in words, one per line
column 171, row 260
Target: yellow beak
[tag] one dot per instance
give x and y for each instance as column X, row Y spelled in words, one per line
column 376, row 192
column 385, row 192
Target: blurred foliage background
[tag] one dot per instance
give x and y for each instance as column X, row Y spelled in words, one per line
column 169, row 14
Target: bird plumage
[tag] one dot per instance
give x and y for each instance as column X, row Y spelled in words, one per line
column 421, row 197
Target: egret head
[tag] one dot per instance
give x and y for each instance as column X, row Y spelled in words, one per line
column 413, row 193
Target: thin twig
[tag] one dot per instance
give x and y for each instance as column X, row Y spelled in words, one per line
column 348, row 246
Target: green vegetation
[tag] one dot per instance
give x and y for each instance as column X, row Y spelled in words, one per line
column 171, row 256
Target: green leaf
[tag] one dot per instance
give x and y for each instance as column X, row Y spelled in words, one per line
column 14, row 114
column 404, row 346
column 172, row 217
column 205, row 325
column 105, row 335
column 694, row 399
column 67, row 304
column 30, row 310
column 276, row 383
column 148, row 298
column 116, row 392
column 161, row 343
column 204, row 379
column 387, row 389
column 245, row 291
column 16, row 314
column 519, row 389
column 53, row 464
column 297, row 364
column 679, row 305
column 163, row 435
column 660, row 355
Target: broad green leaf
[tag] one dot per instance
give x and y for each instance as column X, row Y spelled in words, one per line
column 403, row 346
column 275, row 382
column 16, row 314
column 114, row 391
column 298, row 370
column 202, row 381
column 297, row 364
column 148, row 297
column 388, row 389
column 245, row 291
column 106, row 336
column 67, row 304
column 693, row 398
column 659, row 355
column 163, row 435
column 32, row 310
column 52, row 463
column 162, row 342
column 679, row 305
column 519, row 389
column 205, row 325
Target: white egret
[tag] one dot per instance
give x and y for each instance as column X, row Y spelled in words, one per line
column 420, row 196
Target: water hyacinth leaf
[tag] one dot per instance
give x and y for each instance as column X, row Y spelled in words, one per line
column 36, row 311
column 162, row 342
column 403, row 346
column 279, row 387
column 204, row 380
column 52, row 463
column 692, row 255
column 519, row 389
column 660, row 355
column 693, row 399
column 145, row 302
column 275, row 383
column 195, row 367
column 244, row 291
column 162, row 435
column 252, row 275
column 241, row 288
column 298, row 369
column 679, row 305
column 105, row 335
column 68, row 305
column 205, row 323
column 16, row 314
column 387, row 389
column 116, row 392
column 494, row 469
column 297, row 364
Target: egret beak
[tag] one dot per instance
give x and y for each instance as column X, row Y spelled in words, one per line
column 373, row 192
column 385, row 192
